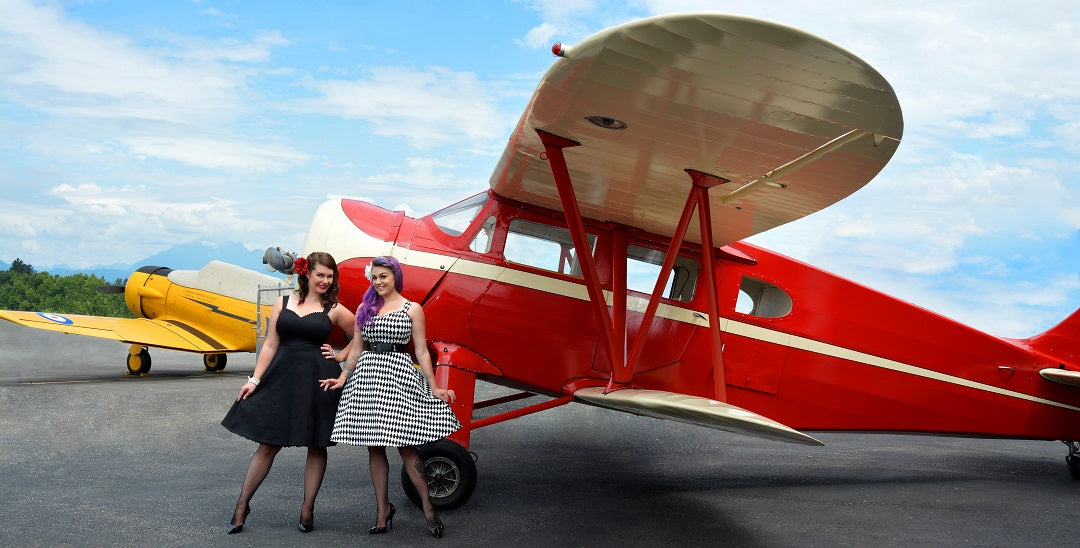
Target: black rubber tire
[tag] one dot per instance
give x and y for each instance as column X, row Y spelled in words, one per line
column 450, row 472
column 214, row 362
column 139, row 364
column 1073, row 462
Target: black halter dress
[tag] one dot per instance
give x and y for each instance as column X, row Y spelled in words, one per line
column 289, row 408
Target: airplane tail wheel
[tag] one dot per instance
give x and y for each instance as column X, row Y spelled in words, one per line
column 138, row 364
column 450, row 471
column 214, row 362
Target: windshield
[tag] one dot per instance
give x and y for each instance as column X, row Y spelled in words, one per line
column 454, row 219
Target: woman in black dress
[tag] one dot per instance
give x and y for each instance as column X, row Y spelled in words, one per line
column 282, row 404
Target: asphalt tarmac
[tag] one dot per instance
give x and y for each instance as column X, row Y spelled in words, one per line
column 91, row 457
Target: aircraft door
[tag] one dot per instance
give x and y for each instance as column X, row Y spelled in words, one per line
column 754, row 350
column 534, row 319
column 675, row 322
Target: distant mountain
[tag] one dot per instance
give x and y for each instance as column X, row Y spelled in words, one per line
column 189, row 256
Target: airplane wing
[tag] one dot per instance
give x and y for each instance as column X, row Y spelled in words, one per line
column 794, row 122
column 160, row 333
column 694, row 410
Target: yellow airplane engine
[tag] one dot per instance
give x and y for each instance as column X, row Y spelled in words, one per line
column 146, row 290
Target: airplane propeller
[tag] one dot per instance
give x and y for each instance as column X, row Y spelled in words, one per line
column 110, row 289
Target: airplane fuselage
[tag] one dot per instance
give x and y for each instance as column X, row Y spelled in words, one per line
column 801, row 346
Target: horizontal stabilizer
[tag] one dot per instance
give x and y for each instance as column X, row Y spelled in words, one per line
column 694, row 410
column 1062, row 376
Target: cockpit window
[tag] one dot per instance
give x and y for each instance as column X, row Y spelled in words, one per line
column 482, row 241
column 454, row 219
column 543, row 246
column 762, row 299
column 643, row 267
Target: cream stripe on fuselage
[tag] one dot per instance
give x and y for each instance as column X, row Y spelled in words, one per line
column 578, row 291
column 326, row 235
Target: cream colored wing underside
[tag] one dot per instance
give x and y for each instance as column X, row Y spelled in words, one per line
column 1061, row 376
column 734, row 97
column 693, row 410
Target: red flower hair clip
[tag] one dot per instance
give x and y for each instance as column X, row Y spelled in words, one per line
column 300, row 266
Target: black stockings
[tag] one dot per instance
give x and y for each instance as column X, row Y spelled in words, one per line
column 260, row 465
column 262, row 460
column 314, row 470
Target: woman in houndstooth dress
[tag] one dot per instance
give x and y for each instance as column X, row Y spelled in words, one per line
column 388, row 402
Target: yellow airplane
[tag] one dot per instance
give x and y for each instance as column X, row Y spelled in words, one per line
column 211, row 311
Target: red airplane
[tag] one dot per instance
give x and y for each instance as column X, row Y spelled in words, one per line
column 605, row 265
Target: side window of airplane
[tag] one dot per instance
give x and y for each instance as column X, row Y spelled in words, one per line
column 482, row 242
column 762, row 299
column 455, row 219
column 643, row 267
column 543, row 246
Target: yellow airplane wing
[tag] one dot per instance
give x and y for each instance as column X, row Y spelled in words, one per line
column 794, row 122
column 161, row 333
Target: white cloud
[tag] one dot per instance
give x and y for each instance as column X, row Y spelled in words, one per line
column 167, row 96
column 86, row 223
column 426, row 108
column 540, row 36
column 57, row 65
column 224, row 154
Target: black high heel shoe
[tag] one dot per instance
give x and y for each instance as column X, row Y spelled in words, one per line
column 306, row 528
column 435, row 527
column 232, row 528
column 376, row 530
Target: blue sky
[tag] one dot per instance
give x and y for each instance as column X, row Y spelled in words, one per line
column 127, row 127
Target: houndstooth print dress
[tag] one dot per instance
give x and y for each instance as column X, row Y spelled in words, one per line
column 387, row 402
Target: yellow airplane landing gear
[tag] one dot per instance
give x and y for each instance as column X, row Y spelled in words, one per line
column 214, row 362
column 138, row 360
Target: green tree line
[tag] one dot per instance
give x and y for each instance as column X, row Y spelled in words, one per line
column 22, row 288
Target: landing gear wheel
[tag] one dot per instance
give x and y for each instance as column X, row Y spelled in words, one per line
column 214, row 362
column 451, row 475
column 138, row 361
column 1072, row 460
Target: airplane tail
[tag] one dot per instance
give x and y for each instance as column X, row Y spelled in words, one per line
column 1061, row 341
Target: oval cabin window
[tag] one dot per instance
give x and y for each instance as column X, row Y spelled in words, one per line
column 762, row 299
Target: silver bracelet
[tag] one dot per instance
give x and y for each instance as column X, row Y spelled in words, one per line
column 254, row 380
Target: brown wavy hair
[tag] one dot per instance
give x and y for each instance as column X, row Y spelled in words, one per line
column 320, row 257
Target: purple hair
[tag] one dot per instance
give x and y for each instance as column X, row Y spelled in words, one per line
column 373, row 302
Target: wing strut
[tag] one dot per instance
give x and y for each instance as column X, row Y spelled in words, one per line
column 613, row 332
column 553, row 145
